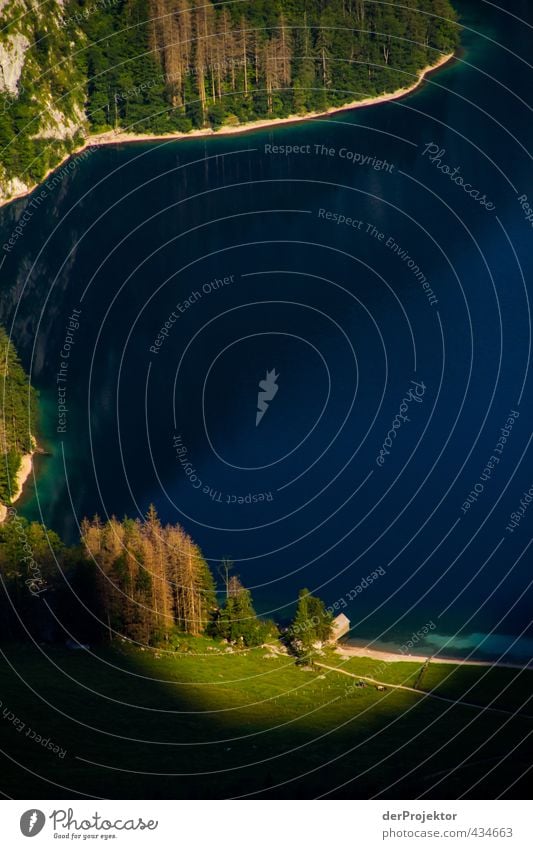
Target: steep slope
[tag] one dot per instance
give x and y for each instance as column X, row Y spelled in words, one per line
column 42, row 90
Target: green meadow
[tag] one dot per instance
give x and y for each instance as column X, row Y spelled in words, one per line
column 202, row 722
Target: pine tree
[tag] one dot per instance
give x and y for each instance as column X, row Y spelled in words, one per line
column 312, row 623
column 155, row 559
column 237, row 620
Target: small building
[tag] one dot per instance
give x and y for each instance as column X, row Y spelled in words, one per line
column 340, row 627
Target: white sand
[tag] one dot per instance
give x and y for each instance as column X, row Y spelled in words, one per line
column 26, row 466
column 393, row 657
column 24, row 472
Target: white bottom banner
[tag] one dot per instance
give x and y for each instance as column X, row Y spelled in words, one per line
column 265, row 824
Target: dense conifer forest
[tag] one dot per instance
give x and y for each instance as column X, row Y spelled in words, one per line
column 18, row 410
column 134, row 580
column 210, row 63
column 150, row 578
column 175, row 65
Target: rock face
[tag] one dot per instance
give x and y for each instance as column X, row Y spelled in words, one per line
column 12, row 188
column 42, row 91
column 56, row 125
column 12, row 53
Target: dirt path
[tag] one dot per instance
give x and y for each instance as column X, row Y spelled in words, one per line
column 427, row 695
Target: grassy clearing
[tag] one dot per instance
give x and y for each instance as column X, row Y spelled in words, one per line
column 402, row 672
column 210, row 724
column 508, row 689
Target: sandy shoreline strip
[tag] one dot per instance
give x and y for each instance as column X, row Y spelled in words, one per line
column 114, row 137
column 24, row 472
column 348, row 651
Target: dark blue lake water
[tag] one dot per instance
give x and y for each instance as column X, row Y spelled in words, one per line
column 390, row 306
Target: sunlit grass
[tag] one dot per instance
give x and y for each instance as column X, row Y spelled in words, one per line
column 209, row 724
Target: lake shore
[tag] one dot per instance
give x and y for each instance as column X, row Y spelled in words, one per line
column 348, row 651
column 24, row 472
column 117, row 137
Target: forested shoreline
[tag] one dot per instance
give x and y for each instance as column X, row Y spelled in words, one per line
column 134, row 580
column 215, row 63
column 18, row 416
column 164, row 66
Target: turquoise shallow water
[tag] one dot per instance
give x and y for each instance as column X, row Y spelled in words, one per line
column 392, row 306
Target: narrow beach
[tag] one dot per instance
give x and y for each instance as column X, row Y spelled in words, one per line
column 348, row 651
column 116, row 137
column 24, row 472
